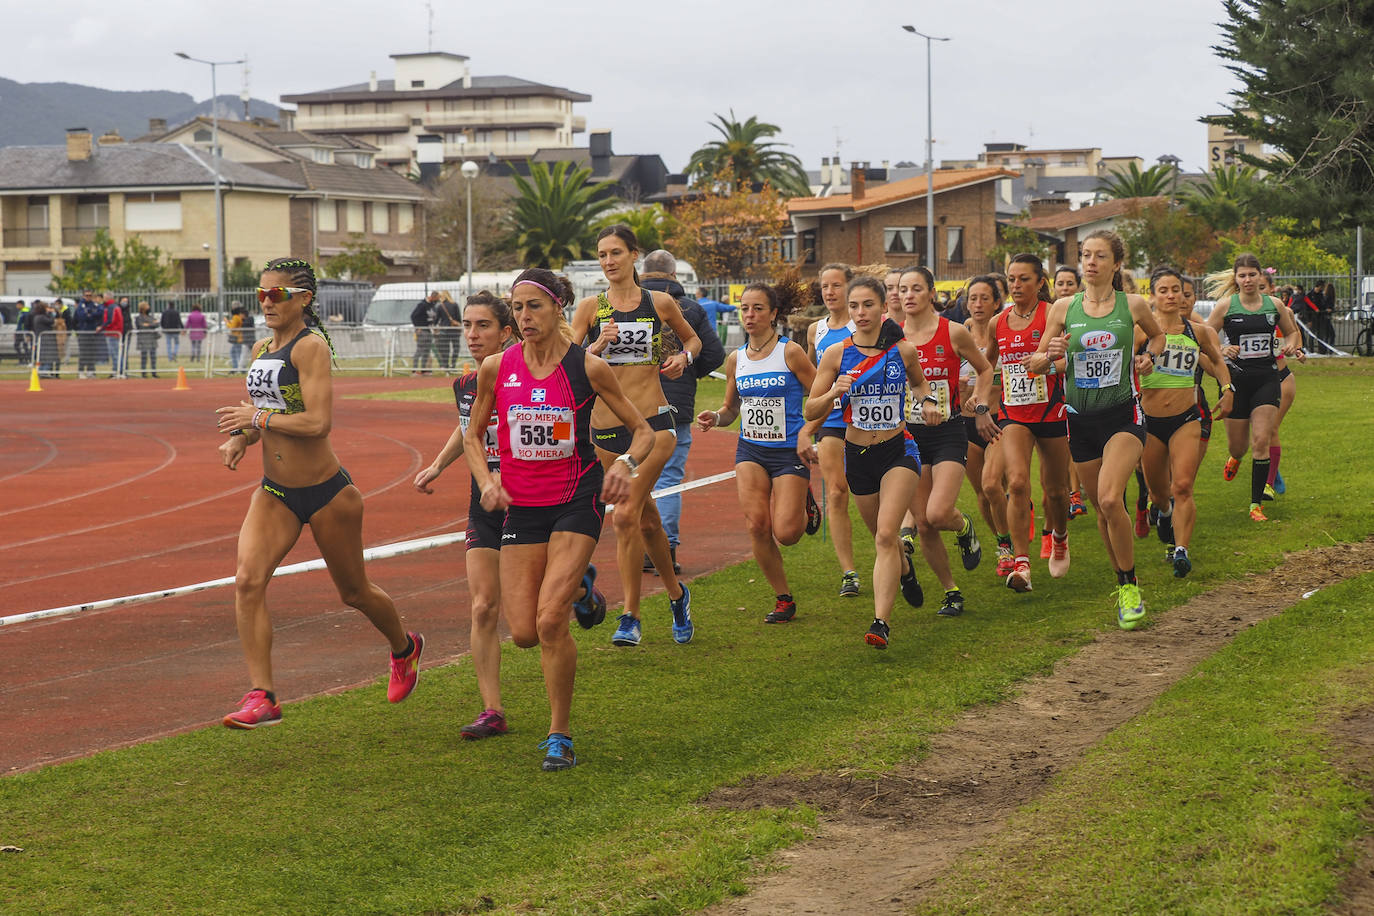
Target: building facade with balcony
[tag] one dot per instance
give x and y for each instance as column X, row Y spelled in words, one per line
column 436, row 93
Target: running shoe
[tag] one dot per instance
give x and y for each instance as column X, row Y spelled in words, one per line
column 783, row 611
column 682, row 616
column 627, row 631
column 590, row 607
column 849, row 585
column 1279, row 486
column 1269, row 492
column 1154, row 515
column 1005, row 561
column 1182, row 564
column 909, row 543
column 911, row 589
column 877, row 634
column 488, row 725
column 405, row 671
column 1019, row 580
column 1229, row 471
column 1257, row 514
column 1165, row 528
column 952, row 605
column 558, row 752
column 1130, row 607
column 813, row 513
column 969, row 549
column 1059, row 558
column 1142, row 523
column 1046, row 545
column 1076, row 507
column 254, row 709
column 1169, row 553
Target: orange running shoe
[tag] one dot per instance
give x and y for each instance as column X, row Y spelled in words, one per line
column 1232, row 465
column 1257, row 514
column 1046, row 546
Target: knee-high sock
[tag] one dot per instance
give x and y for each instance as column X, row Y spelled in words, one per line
column 1275, row 453
column 1259, row 476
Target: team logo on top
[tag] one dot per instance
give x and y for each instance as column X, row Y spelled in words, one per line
column 537, row 395
column 895, row 370
column 1035, row 335
column 1098, row 340
column 512, row 382
column 939, row 350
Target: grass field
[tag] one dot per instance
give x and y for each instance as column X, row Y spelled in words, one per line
column 356, row 807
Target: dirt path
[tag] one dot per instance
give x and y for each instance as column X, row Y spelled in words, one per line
column 901, row 832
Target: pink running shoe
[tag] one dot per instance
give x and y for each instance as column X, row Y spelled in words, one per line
column 488, row 725
column 254, row 709
column 1059, row 557
column 405, row 671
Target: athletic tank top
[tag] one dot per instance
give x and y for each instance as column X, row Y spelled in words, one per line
column 546, row 452
column 273, row 381
column 942, row 368
column 1026, row 398
column 771, row 396
column 1253, row 332
column 825, row 337
column 1181, row 359
column 464, row 393
column 876, row 400
column 640, row 341
column 1100, row 374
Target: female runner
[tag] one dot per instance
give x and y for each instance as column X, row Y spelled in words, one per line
column 1032, row 416
column 302, row 484
column 1185, row 309
column 944, row 447
column 981, row 300
column 892, row 279
column 624, row 325
column 868, row 374
column 1288, row 393
column 1067, row 282
column 1093, row 332
column 1247, row 319
column 766, row 381
column 1173, row 424
column 550, row 486
column 832, row 329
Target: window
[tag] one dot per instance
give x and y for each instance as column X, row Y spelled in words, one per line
column 327, row 216
column 899, row 241
column 517, row 136
column 808, row 241
column 455, row 136
column 38, row 213
column 353, row 108
column 383, row 107
column 201, row 136
column 452, row 105
column 517, row 103
column 405, row 218
column 417, row 84
column 479, row 104
column 481, row 136
column 381, row 218
column 92, row 211
column 159, row 212
column 954, row 244
column 354, row 220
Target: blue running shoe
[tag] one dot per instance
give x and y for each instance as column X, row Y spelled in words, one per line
column 1279, row 486
column 558, row 752
column 590, row 608
column 1182, row 564
column 626, row 631
column 682, row 617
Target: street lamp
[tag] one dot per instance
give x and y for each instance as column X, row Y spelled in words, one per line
column 214, row 164
column 930, row 156
column 1172, row 161
column 469, row 171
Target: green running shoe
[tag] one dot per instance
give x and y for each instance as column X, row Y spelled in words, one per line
column 1130, row 607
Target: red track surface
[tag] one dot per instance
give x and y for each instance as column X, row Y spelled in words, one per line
column 114, row 488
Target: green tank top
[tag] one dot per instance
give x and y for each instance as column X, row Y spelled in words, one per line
column 1099, row 363
column 1176, row 367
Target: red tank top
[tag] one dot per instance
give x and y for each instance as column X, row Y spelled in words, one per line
column 941, row 366
column 1027, row 398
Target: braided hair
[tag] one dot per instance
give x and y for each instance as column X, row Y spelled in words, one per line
column 302, row 274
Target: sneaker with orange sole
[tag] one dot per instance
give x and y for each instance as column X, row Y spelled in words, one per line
column 1229, row 471
column 405, row 671
column 254, row 709
column 1257, row 514
column 1005, row 562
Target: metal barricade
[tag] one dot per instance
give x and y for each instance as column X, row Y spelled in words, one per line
column 229, row 351
column 16, row 350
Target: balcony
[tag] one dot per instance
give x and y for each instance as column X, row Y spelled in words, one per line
column 80, row 236
column 364, row 123
column 460, row 151
column 579, row 124
column 26, row 238
column 543, row 116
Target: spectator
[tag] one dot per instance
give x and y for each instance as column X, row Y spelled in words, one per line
column 1326, row 330
column 422, row 318
column 146, row 329
column 448, row 326
column 112, row 329
column 125, row 311
column 195, row 330
column 715, row 311
column 88, row 341
column 172, row 326
column 23, row 328
column 62, row 321
column 41, row 323
column 237, row 324
column 660, row 275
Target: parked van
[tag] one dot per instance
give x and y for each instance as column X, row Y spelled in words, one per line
column 588, row 280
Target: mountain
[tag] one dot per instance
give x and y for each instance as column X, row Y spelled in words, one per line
column 38, row 114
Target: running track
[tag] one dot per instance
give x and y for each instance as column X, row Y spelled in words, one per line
column 114, row 488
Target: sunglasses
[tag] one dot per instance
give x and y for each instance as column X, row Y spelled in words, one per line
column 279, row 294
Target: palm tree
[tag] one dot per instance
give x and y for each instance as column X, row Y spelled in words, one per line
column 1153, row 182
column 554, row 214
column 750, row 157
column 1222, row 198
column 651, row 224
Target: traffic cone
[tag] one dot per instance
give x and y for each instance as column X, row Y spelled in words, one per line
column 181, row 380
column 33, row 380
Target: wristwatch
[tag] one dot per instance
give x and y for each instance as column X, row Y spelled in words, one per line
column 628, row 460
column 980, row 409
column 932, row 399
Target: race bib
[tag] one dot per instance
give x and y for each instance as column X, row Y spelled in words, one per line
column 763, row 420
column 264, row 388
column 1097, row 368
column 540, row 433
column 876, row 412
column 1177, row 361
column 634, row 345
column 1020, row 388
column 939, row 390
column 492, row 446
column 1256, row 346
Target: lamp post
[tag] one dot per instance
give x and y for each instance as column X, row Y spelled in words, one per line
column 469, row 171
column 1172, row 161
column 930, row 156
column 214, row 164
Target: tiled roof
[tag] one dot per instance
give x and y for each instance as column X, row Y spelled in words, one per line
column 346, row 180
column 1068, row 219
column 895, row 192
column 127, row 165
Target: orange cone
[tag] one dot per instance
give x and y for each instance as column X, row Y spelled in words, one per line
column 181, row 380
column 33, row 380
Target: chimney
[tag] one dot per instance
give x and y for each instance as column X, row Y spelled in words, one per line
column 599, row 142
column 372, row 81
column 110, row 137
column 856, row 181
column 1048, row 206
column 429, row 156
column 157, row 125
column 79, row 146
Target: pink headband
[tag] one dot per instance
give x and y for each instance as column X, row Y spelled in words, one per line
column 541, row 286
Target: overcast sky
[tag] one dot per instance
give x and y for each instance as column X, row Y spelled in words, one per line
column 1129, row 76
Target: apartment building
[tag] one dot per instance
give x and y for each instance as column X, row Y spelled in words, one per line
column 436, row 93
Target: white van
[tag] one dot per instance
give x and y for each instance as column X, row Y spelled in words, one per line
column 393, row 302
column 588, row 280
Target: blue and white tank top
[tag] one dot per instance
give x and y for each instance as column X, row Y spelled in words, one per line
column 877, row 399
column 825, row 337
column 771, row 395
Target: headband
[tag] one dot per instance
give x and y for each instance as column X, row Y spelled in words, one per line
column 551, row 293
